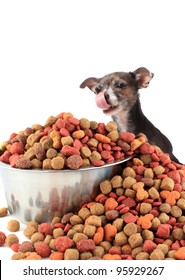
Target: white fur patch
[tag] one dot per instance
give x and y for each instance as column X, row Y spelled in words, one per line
column 112, row 98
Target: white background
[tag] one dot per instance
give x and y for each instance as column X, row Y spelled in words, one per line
column 47, row 48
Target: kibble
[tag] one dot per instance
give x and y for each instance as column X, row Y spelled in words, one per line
column 65, row 142
column 13, row 225
column 137, row 214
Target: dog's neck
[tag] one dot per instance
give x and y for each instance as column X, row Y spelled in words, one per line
column 132, row 120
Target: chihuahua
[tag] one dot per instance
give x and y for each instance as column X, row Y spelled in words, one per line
column 117, row 95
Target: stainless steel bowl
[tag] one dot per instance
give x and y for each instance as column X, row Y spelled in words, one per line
column 40, row 195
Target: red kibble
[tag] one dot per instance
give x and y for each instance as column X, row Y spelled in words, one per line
column 149, row 246
column 124, row 210
column 176, row 245
column 17, row 148
column 98, row 162
column 45, row 228
column 130, row 219
column 115, row 250
column 163, row 231
column 5, row 157
column 85, row 139
column 105, row 154
column 69, row 151
column 60, row 123
column 13, row 159
column 63, row 243
column 85, row 245
column 42, row 249
column 130, row 202
column 64, row 132
column 74, row 121
column 146, row 149
column 15, row 247
column 106, row 147
column 127, row 137
column 2, row 238
column 77, row 144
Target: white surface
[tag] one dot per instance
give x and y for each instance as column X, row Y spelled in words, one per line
column 49, row 47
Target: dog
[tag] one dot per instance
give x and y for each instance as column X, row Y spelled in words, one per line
column 117, row 94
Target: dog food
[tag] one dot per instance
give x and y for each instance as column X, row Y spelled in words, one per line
column 2, row 238
column 11, row 239
column 13, row 225
column 137, row 215
column 3, row 212
column 67, row 142
column 131, row 217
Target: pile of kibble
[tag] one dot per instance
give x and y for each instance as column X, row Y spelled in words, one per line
column 138, row 214
column 65, row 142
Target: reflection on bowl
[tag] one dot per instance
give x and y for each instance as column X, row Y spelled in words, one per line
column 41, row 195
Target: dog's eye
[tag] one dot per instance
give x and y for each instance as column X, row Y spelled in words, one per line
column 120, row 85
column 97, row 89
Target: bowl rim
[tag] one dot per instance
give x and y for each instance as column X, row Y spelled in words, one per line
column 88, row 168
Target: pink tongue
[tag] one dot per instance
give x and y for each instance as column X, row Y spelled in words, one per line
column 101, row 101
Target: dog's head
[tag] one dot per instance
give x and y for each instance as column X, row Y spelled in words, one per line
column 118, row 91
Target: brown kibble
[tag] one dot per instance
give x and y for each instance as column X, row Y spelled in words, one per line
column 11, row 239
column 145, row 208
column 32, row 256
column 97, row 209
column 116, row 181
column 13, row 225
column 94, row 220
column 75, row 219
column 58, row 232
column 32, row 224
column 181, row 203
column 158, row 170
column 176, row 211
column 178, row 234
column 128, row 182
column 51, row 153
column 142, row 256
column 165, row 208
column 85, row 152
column 135, row 240
column 130, row 229
column 84, row 213
column 89, row 230
column 153, row 193
column 98, row 251
column 85, row 123
column 167, row 184
column 157, row 254
column 71, row 254
column 57, row 163
column 128, row 172
column 26, row 246
column 105, row 187
column 17, row 256
column 121, row 238
column 29, row 231
column 111, row 126
column 46, row 164
column 36, row 237
column 3, row 211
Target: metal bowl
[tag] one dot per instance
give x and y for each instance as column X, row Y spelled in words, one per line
column 40, row 195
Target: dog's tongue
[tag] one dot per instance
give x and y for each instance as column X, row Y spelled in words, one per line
column 101, row 101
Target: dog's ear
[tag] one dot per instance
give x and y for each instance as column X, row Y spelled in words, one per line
column 90, row 83
column 142, row 76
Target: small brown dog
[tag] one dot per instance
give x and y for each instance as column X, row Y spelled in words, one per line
column 117, row 95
